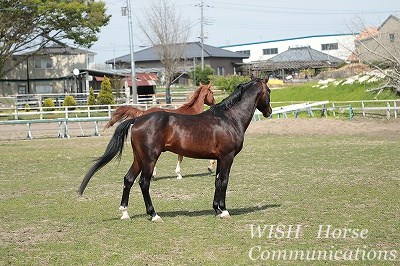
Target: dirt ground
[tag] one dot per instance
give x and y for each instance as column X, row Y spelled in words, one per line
column 277, row 126
column 326, row 126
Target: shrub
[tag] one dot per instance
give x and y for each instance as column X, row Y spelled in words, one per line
column 202, row 76
column 69, row 101
column 228, row 83
column 49, row 104
column 105, row 94
column 91, row 99
column 27, row 107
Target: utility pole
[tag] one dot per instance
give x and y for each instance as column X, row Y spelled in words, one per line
column 202, row 33
column 128, row 10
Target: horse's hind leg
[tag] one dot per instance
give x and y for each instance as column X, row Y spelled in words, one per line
column 211, row 166
column 178, row 167
column 144, row 183
column 129, row 179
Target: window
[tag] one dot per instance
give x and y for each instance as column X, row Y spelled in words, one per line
column 220, row 71
column 391, row 37
column 329, row 46
column 43, row 63
column 270, row 51
column 44, row 89
column 245, row 52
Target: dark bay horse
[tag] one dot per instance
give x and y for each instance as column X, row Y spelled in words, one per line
column 217, row 133
column 195, row 105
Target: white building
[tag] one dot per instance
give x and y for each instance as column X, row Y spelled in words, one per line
column 338, row 45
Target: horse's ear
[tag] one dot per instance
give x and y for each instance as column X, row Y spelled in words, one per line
column 266, row 79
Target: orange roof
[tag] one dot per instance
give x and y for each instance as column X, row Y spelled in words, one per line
column 367, row 33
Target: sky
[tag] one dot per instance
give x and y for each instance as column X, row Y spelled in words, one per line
column 229, row 22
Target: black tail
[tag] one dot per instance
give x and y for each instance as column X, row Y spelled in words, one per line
column 114, row 149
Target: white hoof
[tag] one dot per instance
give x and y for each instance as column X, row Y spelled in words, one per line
column 156, row 219
column 125, row 216
column 179, row 176
column 224, row 214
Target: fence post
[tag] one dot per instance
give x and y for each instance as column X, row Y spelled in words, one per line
column 351, row 114
column 40, row 106
column 29, row 136
column 363, row 108
column 16, row 113
column 333, row 109
column 395, row 109
column 388, row 110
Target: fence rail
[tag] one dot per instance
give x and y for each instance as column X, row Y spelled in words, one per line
column 65, row 115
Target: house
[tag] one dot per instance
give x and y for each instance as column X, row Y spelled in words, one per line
column 337, row 45
column 381, row 44
column 223, row 62
column 291, row 62
column 47, row 70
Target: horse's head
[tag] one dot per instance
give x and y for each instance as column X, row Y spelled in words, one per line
column 208, row 94
column 263, row 103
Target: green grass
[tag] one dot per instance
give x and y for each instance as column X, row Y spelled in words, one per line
column 306, row 92
column 346, row 181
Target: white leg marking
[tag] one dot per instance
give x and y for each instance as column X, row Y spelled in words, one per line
column 224, row 214
column 125, row 215
column 211, row 166
column 178, row 167
column 156, row 219
column 154, row 172
column 178, row 170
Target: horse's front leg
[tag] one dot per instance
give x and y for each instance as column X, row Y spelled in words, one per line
column 178, row 167
column 144, row 183
column 129, row 179
column 217, row 193
column 221, row 184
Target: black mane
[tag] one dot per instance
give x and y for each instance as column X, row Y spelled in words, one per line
column 232, row 99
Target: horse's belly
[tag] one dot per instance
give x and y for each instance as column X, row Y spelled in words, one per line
column 192, row 150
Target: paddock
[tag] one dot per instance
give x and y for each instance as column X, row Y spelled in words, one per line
column 294, row 171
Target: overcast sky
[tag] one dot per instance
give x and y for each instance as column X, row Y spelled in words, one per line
column 229, row 22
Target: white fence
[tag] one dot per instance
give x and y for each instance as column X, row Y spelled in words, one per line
column 65, row 115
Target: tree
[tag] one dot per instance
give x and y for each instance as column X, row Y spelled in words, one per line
column 202, row 76
column 31, row 24
column 105, row 95
column 380, row 49
column 91, row 99
column 168, row 33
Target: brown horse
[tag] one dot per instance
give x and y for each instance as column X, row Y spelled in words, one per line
column 217, row 133
column 195, row 105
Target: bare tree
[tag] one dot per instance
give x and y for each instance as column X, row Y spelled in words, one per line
column 168, row 33
column 380, row 48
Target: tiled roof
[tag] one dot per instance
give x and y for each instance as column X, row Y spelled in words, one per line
column 192, row 50
column 299, row 57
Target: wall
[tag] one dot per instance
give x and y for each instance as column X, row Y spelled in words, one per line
column 345, row 46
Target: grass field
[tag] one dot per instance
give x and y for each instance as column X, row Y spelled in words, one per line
column 353, row 92
column 347, row 181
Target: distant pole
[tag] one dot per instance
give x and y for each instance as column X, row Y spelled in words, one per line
column 131, row 46
column 202, row 34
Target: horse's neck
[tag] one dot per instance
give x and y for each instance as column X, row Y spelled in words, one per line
column 195, row 105
column 243, row 111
